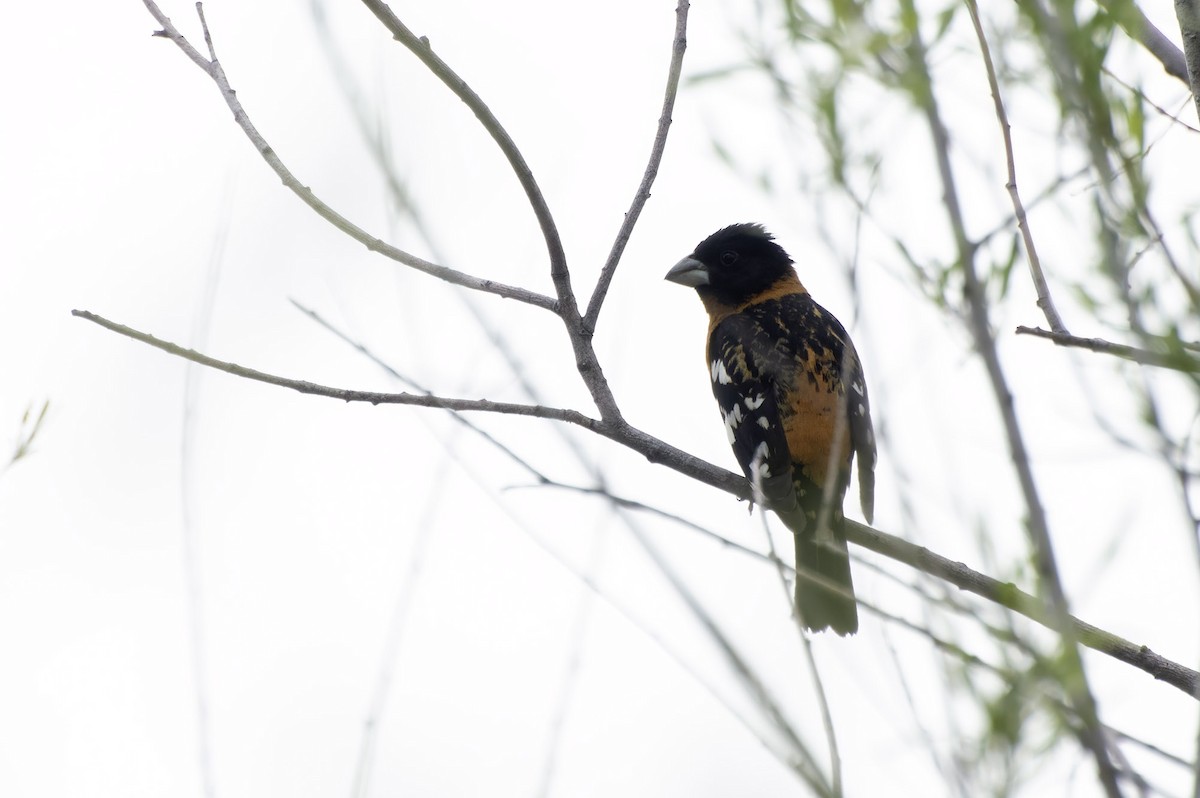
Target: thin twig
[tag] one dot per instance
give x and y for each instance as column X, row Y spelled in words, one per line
column 781, row 568
column 564, row 700
column 1188, row 14
column 1179, row 361
column 397, row 623
column 1009, row 595
column 678, row 46
column 803, row 763
column 567, row 307
column 1047, row 192
column 682, row 660
column 30, row 426
column 1044, row 301
column 1173, row 118
column 385, row 673
column 951, row 648
column 376, row 143
column 653, row 449
column 420, row 47
column 416, row 386
column 1006, row 594
column 642, row 507
column 1139, row 27
column 344, row 394
column 191, row 561
column 213, row 69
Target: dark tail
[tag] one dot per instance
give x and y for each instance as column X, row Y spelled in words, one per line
column 824, row 590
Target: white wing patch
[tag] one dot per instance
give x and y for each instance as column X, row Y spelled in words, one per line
column 759, row 471
column 719, row 374
column 732, row 419
column 755, row 403
column 860, row 407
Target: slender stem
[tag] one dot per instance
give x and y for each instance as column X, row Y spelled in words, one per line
column 1044, row 301
column 212, row 68
column 1188, row 14
column 420, row 47
column 396, row 375
column 567, row 308
column 678, row 47
column 346, row 395
column 1139, row 27
column 1009, row 595
column 802, row 761
column 1179, row 361
column 781, row 568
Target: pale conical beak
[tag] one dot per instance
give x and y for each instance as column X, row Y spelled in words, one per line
column 689, row 272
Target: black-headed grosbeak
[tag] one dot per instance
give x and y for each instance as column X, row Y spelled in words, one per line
column 792, row 395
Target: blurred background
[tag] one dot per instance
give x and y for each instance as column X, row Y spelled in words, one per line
column 210, row 586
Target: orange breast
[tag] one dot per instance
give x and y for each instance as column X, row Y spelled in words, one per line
column 815, row 423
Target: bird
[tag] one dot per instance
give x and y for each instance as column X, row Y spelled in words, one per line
column 793, row 399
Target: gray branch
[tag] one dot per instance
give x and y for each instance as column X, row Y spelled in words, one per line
column 657, row 451
column 678, row 46
column 1188, row 14
column 1176, row 359
column 212, row 68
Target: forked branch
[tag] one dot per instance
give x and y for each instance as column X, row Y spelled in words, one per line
column 212, row 68
column 678, row 46
column 1044, row 300
column 1179, row 359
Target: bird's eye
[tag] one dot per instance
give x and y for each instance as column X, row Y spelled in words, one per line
column 728, row 257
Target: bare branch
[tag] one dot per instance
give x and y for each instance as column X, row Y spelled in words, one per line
column 394, row 374
column 212, row 53
column 1044, row 300
column 30, row 426
column 678, row 46
column 1006, row 594
column 213, row 69
column 653, row 449
column 802, row 761
column 347, row 395
column 1188, row 14
column 641, row 507
column 1173, row 118
column 419, row 46
column 1139, row 27
column 567, row 308
column 1178, row 360
column 657, row 451
column 781, row 568
column 1009, row 595
column 685, row 663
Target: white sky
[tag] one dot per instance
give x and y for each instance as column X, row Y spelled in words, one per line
column 315, row 523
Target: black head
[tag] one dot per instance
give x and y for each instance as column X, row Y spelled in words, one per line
column 734, row 263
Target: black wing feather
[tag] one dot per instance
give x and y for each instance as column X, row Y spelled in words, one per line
column 744, row 386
